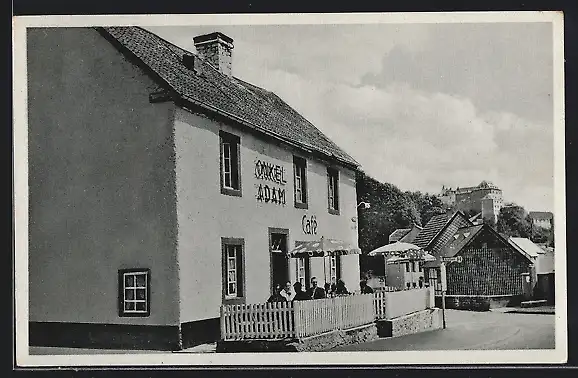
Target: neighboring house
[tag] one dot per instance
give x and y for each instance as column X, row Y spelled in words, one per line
column 490, row 266
column 528, row 248
column 405, row 275
column 161, row 187
column 406, row 235
column 543, row 258
column 438, row 231
column 544, row 219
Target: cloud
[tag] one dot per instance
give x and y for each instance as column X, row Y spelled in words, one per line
column 422, row 140
column 503, row 66
column 419, row 106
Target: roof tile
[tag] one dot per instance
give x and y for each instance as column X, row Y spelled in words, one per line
column 249, row 104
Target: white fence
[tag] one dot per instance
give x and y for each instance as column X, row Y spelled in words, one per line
column 258, row 321
column 391, row 305
column 324, row 315
column 300, row 319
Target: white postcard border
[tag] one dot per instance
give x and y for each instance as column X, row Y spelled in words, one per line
column 20, row 151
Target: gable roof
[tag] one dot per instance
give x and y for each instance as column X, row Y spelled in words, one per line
column 247, row 104
column 411, row 235
column 476, row 217
column 526, row 246
column 460, row 239
column 466, row 234
column 431, row 229
column 398, row 234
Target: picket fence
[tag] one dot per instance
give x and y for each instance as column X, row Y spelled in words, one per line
column 300, row 319
column 338, row 313
column 258, row 321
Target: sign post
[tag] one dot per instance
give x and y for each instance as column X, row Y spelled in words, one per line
column 444, row 288
column 457, row 259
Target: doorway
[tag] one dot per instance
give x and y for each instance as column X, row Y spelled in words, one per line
column 278, row 244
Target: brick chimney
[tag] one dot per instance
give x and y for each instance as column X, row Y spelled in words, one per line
column 216, row 49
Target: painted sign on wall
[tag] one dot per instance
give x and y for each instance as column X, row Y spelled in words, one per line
column 309, row 224
column 270, row 172
column 275, row 174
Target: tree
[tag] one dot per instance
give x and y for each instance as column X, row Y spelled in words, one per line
column 514, row 221
column 390, row 209
column 543, row 235
column 427, row 204
column 490, row 222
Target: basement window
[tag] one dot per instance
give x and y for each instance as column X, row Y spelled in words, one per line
column 134, row 292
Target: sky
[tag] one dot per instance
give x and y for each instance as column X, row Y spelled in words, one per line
column 419, row 106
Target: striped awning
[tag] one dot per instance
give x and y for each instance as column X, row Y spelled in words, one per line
column 410, row 256
column 323, row 247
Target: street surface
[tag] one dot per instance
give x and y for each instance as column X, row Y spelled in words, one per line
column 466, row 330
column 469, row 330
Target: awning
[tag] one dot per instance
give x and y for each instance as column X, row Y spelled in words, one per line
column 411, row 256
column 323, row 247
column 395, row 249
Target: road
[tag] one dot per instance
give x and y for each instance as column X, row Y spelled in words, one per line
column 468, row 330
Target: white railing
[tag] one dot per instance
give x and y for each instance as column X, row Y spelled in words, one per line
column 379, row 300
column 405, row 302
column 258, row 321
column 338, row 313
column 300, row 319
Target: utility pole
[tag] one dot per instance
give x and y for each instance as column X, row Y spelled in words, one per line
column 444, row 288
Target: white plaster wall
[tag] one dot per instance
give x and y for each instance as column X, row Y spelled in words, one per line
column 205, row 215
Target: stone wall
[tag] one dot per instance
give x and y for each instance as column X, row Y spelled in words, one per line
column 420, row 321
column 315, row 343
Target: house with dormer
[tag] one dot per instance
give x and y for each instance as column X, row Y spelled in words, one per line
column 487, row 266
column 162, row 187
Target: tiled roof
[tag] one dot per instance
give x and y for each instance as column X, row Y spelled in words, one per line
column 460, row 239
column 431, row 229
column 236, row 99
column 398, row 234
column 411, row 235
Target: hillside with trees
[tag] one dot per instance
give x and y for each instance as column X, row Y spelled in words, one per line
column 390, row 209
column 514, row 221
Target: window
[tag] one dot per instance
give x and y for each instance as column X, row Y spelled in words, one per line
column 233, row 270
column 134, row 292
column 230, row 164
column 413, row 266
column 333, row 272
column 333, row 190
column 300, row 179
column 301, row 276
column 407, row 267
column 420, row 266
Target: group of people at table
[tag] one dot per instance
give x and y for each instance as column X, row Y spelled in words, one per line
column 296, row 293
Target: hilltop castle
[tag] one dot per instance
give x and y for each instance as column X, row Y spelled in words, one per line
column 486, row 198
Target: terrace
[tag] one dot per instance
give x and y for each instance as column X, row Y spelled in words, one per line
column 299, row 320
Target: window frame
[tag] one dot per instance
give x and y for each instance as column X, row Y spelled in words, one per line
column 300, row 163
column 122, row 312
column 307, row 259
column 240, row 277
column 337, row 267
column 333, row 200
column 231, row 139
column 298, row 269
